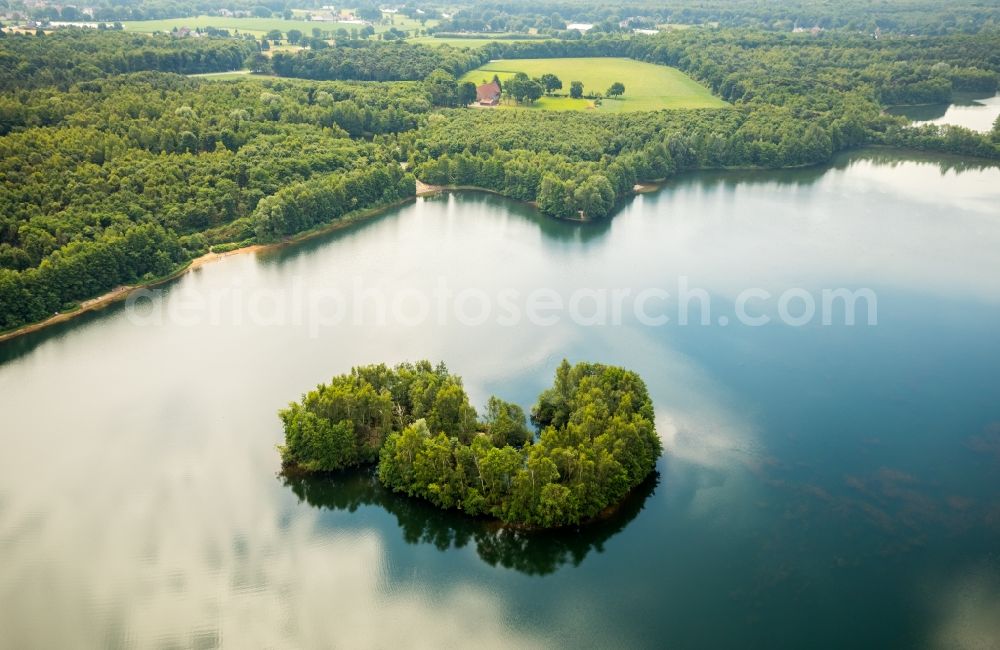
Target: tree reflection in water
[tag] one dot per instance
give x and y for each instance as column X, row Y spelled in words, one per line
column 534, row 552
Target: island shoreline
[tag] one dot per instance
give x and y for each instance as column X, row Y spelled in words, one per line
column 493, row 523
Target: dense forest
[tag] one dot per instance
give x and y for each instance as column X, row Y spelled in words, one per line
column 597, row 440
column 115, row 170
column 902, row 16
column 375, row 61
column 89, row 175
column 68, row 56
column 553, row 16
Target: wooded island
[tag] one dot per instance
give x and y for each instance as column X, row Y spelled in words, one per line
column 596, row 442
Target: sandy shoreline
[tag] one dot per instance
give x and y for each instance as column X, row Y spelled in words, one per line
column 425, row 189
column 122, row 292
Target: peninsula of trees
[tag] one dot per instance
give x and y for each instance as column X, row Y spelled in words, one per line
column 596, row 440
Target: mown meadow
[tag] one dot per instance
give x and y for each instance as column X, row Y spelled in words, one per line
column 647, row 86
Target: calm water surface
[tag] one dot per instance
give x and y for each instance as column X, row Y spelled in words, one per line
column 969, row 110
column 823, row 486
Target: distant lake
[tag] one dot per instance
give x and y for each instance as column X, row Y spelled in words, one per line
column 822, row 486
column 969, row 110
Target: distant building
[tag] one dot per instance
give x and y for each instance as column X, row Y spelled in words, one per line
column 580, row 27
column 815, row 31
column 186, row 32
column 489, row 94
column 60, row 23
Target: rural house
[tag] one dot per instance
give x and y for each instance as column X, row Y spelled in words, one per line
column 489, row 94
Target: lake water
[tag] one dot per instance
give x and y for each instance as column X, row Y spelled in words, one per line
column 822, row 486
column 968, row 109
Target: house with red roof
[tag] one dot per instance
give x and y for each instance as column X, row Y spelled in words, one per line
column 489, row 94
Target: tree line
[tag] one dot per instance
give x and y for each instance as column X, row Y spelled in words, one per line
column 552, row 17
column 322, row 199
column 114, row 10
column 67, row 56
column 115, row 258
column 375, row 61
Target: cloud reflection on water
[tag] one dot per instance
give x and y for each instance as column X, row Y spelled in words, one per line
column 186, row 559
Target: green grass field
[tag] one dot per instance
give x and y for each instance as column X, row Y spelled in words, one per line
column 648, row 87
column 260, row 26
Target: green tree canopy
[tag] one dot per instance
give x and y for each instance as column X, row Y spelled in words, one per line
column 442, row 88
column 523, row 89
column 466, row 93
column 597, row 440
column 550, row 82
